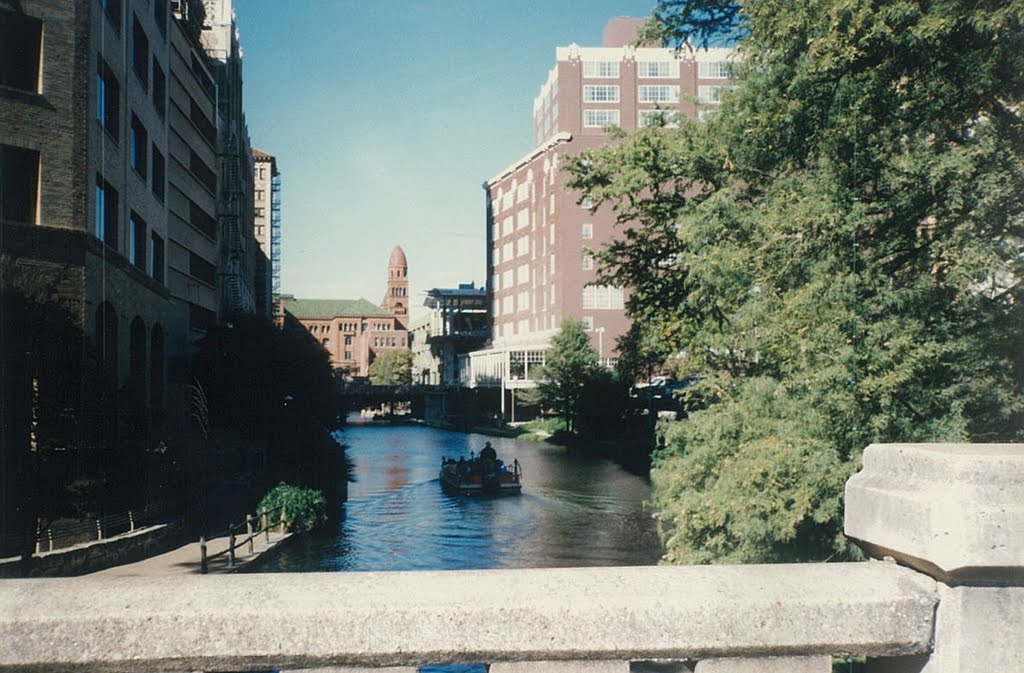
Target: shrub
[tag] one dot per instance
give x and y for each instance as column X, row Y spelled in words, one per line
column 302, row 508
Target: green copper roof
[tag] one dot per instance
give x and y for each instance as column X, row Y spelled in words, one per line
column 330, row 308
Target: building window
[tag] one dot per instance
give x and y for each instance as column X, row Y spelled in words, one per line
column 259, row 194
column 600, row 119
column 258, row 212
column 716, row 70
column 156, row 258
column 139, row 145
column 159, row 89
column 348, row 355
column 21, row 40
column 348, row 341
column 666, row 118
column 588, row 262
column 137, row 242
column 712, row 93
column 159, row 174
column 202, row 122
column 600, row 93
column 140, row 52
column 199, row 219
column 603, row 297
column 108, row 98
column 326, row 343
column 106, row 212
column 203, row 173
column 19, row 184
column 201, row 269
column 659, row 69
column 588, row 323
column 663, row 93
column 112, row 8
column 587, row 232
column 160, row 15
column 603, row 69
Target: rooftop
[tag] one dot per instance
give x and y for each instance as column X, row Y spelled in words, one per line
column 331, row 308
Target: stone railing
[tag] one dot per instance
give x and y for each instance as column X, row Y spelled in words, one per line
column 954, row 514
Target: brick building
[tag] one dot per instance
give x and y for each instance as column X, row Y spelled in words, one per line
column 540, row 238
column 355, row 331
column 266, row 199
column 110, row 263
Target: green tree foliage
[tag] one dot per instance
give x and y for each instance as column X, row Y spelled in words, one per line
column 302, row 509
column 569, row 365
column 392, row 368
column 837, row 249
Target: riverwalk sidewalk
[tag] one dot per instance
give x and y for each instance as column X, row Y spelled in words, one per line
column 186, row 560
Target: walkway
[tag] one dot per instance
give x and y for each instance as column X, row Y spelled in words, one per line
column 185, row 560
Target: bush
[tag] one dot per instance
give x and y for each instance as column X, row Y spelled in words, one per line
column 302, row 508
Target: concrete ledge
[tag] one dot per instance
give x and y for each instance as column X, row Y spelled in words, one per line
column 979, row 629
column 953, row 511
column 816, row 664
column 247, row 622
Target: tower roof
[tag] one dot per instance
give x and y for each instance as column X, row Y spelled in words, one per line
column 398, row 258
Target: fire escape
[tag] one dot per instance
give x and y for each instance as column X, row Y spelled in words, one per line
column 236, row 293
column 275, row 233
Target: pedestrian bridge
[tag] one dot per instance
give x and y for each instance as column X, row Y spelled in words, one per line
column 946, row 523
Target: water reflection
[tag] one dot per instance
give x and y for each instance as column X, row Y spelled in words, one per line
column 574, row 510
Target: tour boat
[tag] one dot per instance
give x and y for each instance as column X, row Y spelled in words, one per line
column 481, row 476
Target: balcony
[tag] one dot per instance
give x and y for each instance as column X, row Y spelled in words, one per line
column 952, row 514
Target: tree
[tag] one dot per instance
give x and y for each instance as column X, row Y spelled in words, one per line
column 836, row 249
column 392, row 368
column 569, row 365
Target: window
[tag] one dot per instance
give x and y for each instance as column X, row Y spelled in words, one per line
column 588, row 231
column 156, row 257
column 348, row 341
column 712, row 93
column 21, row 39
column 601, row 69
column 108, row 98
column 160, row 15
column 658, row 94
column 201, row 269
column 106, row 212
column 19, row 184
column 508, row 278
column 202, row 122
column 201, row 319
column 523, row 219
column 326, row 343
column 657, row 118
column 715, row 70
column 600, row 118
column 603, row 297
column 588, row 323
column 523, row 274
column 137, row 241
column 159, row 89
column 523, row 246
column 140, row 52
column 201, row 220
column 202, row 172
column 600, row 93
column 588, row 262
column 159, row 174
column 660, row 69
column 112, row 8
column 258, row 212
column 348, row 355
column 259, row 194
column 139, row 145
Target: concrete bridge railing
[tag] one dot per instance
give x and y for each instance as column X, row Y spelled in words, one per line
column 951, row 515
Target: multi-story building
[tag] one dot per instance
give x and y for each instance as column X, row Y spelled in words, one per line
column 456, row 324
column 541, row 237
column 266, row 198
column 355, row 331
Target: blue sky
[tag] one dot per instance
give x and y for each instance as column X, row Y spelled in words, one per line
column 386, row 117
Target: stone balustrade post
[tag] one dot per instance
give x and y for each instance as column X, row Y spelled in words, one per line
column 954, row 512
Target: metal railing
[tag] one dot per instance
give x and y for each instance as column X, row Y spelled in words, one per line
column 262, row 519
column 64, row 533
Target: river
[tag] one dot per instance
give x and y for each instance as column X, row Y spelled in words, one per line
column 574, row 510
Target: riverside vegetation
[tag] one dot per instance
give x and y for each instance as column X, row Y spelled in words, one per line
column 836, row 250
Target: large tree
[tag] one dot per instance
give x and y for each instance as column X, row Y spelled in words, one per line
column 837, row 249
column 391, row 368
column 569, row 365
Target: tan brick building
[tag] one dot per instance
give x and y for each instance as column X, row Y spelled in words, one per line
column 355, row 331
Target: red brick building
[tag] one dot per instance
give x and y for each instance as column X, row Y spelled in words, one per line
column 355, row 331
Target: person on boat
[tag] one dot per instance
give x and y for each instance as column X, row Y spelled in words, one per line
column 488, row 452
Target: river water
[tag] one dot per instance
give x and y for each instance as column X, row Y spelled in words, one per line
column 574, row 510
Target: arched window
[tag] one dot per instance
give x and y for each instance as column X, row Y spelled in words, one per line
column 156, row 369
column 137, row 358
column 106, row 341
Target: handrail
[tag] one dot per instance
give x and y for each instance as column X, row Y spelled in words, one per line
column 251, row 533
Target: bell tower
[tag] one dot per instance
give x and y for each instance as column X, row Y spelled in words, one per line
column 396, row 301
